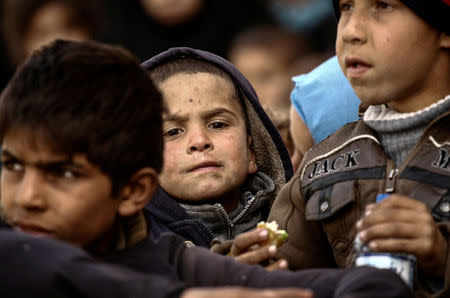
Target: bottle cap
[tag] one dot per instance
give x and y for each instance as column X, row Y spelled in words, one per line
column 381, row 196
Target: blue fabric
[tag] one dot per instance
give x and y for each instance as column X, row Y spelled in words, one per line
column 324, row 99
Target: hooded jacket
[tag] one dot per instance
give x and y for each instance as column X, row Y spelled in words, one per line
column 196, row 223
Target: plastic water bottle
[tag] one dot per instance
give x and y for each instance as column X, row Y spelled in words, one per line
column 402, row 264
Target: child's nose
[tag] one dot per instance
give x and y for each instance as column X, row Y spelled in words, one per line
column 199, row 142
column 353, row 30
column 29, row 195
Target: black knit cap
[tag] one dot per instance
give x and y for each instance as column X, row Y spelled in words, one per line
column 434, row 12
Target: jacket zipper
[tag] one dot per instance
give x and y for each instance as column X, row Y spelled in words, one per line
column 207, row 229
column 391, row 178
column 231, row 223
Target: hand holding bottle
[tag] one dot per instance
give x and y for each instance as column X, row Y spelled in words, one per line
column 399, row 224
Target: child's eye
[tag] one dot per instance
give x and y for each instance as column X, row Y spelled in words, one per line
column 173, row 132
column 383, row 5
column 217, row 125
column 12, row 165
column 345, row 6
column 63, row 173
column 68, row 174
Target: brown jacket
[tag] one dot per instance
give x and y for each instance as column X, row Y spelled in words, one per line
column 319, row 207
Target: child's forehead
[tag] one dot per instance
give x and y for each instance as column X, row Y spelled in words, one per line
column 200, row 94
column 227, row 83
column 200, row 83
column 25, row 142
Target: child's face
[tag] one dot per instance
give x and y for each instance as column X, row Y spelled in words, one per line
column 52, row 21
column 53, row 195
column 267, row 73
column 172, row 12
column 207, row 152
column 388, row 53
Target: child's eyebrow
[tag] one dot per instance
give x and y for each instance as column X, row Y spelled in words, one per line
column 173, row 117
column 6, row 154
column 55, row 165
column 176, row 117
column 219, row 111
column 50, row 164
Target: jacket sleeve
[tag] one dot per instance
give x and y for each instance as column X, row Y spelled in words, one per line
column 221, row 247
column 38, row 267
column 198, row 267
column 307, row 245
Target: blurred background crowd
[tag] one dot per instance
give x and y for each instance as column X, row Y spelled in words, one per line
column 270, row 41
column 295, row 35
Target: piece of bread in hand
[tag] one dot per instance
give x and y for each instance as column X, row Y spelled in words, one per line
column 276, row 237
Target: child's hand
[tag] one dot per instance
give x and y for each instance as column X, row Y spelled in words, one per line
column 246, row 249
column 401, row 224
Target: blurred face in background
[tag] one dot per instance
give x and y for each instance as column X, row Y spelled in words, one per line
column 172, row 12
column 52, row 21
column 268, row 73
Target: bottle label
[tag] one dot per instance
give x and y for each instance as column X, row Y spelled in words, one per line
column 402, row 264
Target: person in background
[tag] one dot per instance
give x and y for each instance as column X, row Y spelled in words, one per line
column 312, row 19
column 265, row 55
column 29, row 24
column 148, row 27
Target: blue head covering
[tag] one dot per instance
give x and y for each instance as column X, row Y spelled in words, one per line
column 324, row 99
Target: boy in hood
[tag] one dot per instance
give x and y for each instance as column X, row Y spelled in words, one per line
column 79, row 166
column 396, row 55
column 224, row 161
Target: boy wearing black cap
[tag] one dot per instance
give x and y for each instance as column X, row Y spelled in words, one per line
column 396, row 56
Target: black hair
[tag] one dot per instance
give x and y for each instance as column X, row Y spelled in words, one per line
column 89, row 98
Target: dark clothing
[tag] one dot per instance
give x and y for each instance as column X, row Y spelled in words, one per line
column 38, row 267
column 211, row 30
column 197, row 266
column 201, row 224
column 167, row 215
column 320, row 206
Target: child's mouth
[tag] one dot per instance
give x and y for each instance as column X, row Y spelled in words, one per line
column 356, row 68
column 206, row 167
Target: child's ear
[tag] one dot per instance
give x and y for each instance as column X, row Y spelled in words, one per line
column 252, row 166
column 138, row 192
column 445, row 40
